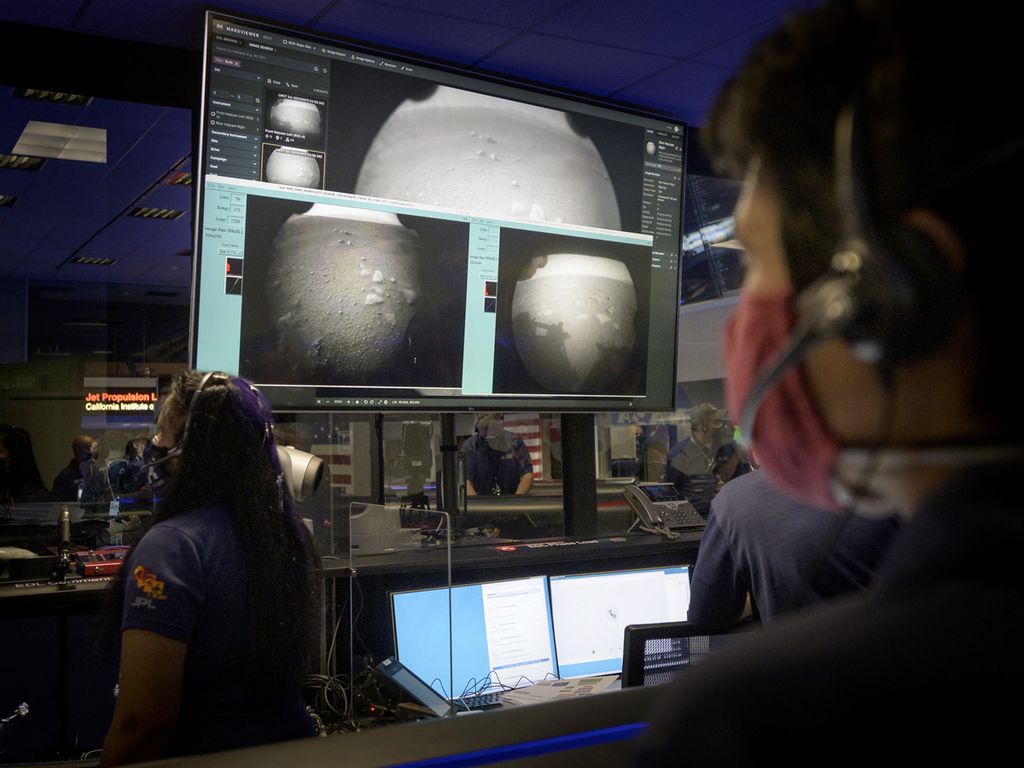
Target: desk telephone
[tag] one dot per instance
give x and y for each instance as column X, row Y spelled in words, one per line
column 658, row 505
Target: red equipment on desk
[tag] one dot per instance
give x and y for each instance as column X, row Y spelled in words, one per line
column 101, row 562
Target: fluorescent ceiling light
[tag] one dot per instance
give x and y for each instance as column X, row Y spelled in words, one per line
column 92, row 261
column 59, row 97
column 21, row 162
column 168, row 214
column 63, row 142
column 6, row 201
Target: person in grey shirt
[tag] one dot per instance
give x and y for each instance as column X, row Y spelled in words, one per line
column 780, row 554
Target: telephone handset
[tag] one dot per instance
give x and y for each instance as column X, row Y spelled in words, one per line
column 660, row 505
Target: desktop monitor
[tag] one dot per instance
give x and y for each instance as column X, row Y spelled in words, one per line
column 591, row 611
column 379, row 232
column 501, row 635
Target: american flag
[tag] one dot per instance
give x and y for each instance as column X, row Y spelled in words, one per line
column 333, row 444
column 527, row 426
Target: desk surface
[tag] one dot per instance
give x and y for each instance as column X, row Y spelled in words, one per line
column 467, row 559
column 513, row 554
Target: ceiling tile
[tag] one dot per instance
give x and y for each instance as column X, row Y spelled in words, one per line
column 521, row 13
column 442, row 37
column 16, row 182
column 668, row 28
column 732, row 52
column 53, row 13
column 179, row 23
column 687, row 87
column 586, row 67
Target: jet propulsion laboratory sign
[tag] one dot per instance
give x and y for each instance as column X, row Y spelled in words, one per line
column 119, row 403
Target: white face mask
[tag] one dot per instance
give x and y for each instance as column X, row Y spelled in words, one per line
column 502, row 441
column 873, row 481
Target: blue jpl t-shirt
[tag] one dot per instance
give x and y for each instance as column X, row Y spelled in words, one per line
column 186, row 581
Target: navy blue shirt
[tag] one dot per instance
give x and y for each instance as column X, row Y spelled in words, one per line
column 786, row 554
column 691, row 468
column 920, row 670
column 490, row 470
column 186, row 581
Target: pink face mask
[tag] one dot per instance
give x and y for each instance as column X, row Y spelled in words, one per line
column 790, row 440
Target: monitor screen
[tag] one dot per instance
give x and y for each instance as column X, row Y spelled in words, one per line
column 501, row 635
column 374, row 232
column 590, row 613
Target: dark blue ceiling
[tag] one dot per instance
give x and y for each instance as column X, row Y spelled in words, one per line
column 665, row 55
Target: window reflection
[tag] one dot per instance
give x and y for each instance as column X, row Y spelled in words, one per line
column 696, row 447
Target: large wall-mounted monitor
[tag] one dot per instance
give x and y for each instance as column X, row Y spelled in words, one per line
column 378, row 232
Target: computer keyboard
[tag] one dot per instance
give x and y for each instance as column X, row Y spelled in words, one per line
column 481, row 700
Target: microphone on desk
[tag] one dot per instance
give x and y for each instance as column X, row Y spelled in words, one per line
column 64, row 548
column 65, row 528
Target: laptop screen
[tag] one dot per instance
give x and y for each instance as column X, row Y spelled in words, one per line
column 591, row 611
column 501, row 635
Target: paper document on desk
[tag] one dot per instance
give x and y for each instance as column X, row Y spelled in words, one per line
column 552, row 690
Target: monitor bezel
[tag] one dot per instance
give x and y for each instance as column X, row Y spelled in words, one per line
column 279, row 395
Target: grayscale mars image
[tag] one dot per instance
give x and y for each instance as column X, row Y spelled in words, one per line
column 347, row 285
column 469, row 152
column 573, row 320
column 296, row 116
column 334, row 294
column 293, row 166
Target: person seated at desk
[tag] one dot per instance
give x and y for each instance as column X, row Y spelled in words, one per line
column 81, row 479
column 127, row 474
column 767, row 553
column 692, row 462
column 497, row 461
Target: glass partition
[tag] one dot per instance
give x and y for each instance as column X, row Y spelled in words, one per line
column 508, row 507
column 697, row 447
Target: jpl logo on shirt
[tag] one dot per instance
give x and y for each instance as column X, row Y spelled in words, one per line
column 147, row 581
column 143, row 602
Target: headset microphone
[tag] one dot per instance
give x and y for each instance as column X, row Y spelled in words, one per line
column 826, row 309
column 172, row 453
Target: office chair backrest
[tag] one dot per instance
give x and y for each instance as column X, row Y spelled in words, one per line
column 654, row 653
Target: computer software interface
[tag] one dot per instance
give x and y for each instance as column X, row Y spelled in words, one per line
column 591, row 611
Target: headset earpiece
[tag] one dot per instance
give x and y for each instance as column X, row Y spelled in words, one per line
column 207, row 379
column 904, row 294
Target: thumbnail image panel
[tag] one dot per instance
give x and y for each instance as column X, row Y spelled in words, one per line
column 294, row 120
column 341, row 296
column 572, row 315
column 296, row 167
column 403, row 139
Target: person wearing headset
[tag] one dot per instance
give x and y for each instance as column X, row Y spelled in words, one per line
column 868, row 356
column 216, row 606
column 80, row 479
column 691, row 463
column 497, row 461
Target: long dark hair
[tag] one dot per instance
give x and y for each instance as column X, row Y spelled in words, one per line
column 228, row 458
